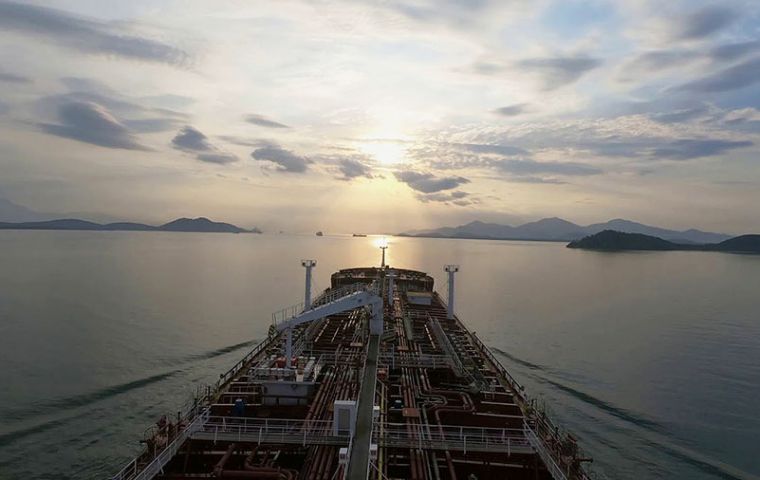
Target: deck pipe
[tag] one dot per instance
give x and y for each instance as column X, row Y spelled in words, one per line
column 264, row 473
column 219, row 467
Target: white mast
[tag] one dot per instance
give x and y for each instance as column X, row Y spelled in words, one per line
column 451, row 270
column 308, row 264
column 383, row 247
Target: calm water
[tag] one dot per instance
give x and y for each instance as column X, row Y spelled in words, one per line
column 652, row 359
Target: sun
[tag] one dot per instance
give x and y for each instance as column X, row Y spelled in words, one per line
column 385, row 152
column 380, row 242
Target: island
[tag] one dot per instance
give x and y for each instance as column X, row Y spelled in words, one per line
column 612, row 240
column 199, row 224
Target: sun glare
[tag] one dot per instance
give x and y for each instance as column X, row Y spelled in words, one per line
column 380, row 242
column 385, row 152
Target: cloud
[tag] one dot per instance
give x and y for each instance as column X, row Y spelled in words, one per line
column 351, row 168
column 658, row 60
column 742, row 116
column 559, row 71
column 662, row 148
column 220, row 158
column 85, row 35
column 636, row 136
column 537, row 180
column 678, row 116
column 733, row 51
column 705, row 22
column 487, row 68
column 283, row 160
column 263, row 121
column 245, row 142
column 427, row 182
column 655, row 61
column 457, row 197
column 527, row 168
column 500, row 158
column 13, row 78
column 733, row 78
column 455, row 156
column 139, row 117
column 502, row 150
column 191, row 140
column 92, row 123
column 148, row 125
column 457, row 12
column 511, row 110
column 689, row 149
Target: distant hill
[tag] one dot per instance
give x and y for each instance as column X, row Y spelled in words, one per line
column 742, row 243
column 62, row 224
column 557, row 229
column 612, row 240
column 200, row 224
column 686, row 236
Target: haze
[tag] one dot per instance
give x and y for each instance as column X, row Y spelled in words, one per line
column 383, row 116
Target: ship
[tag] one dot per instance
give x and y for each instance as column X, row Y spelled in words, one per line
column 375, row 378
column 319, row 233
column 359, row 234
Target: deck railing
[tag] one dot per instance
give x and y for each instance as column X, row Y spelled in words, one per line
column 232, row 372
column 546, row 456
column 395, row 435
column 134, row 471
column 269, row 430
column 453, row 437
column 518, row 389
column 445, row 344
column 413, row 359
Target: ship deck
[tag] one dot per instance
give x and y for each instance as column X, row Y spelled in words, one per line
column 424, row 400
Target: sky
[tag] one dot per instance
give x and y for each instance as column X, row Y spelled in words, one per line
column 382, row 116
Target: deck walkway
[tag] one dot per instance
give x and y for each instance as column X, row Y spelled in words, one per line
column 358, row 463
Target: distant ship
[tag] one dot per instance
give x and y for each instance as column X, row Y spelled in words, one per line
column 319, row 233
column 376, row 378
column 359, row 235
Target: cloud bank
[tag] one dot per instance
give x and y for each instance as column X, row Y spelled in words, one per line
column 85, row 35
column 92, row 123
column 191, row 140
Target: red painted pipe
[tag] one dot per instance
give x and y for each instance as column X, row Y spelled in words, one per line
column 220, row 465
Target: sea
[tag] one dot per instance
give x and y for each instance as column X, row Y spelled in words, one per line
column 651, row 359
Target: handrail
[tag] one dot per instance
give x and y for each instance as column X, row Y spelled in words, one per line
column 446, row 346
column 302, row 431
column 554, row 469
column 516, row 387
column 132, row 470
column 223, row 378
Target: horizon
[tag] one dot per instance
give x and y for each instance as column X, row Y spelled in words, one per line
column 313, row 115
column 377, row 233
